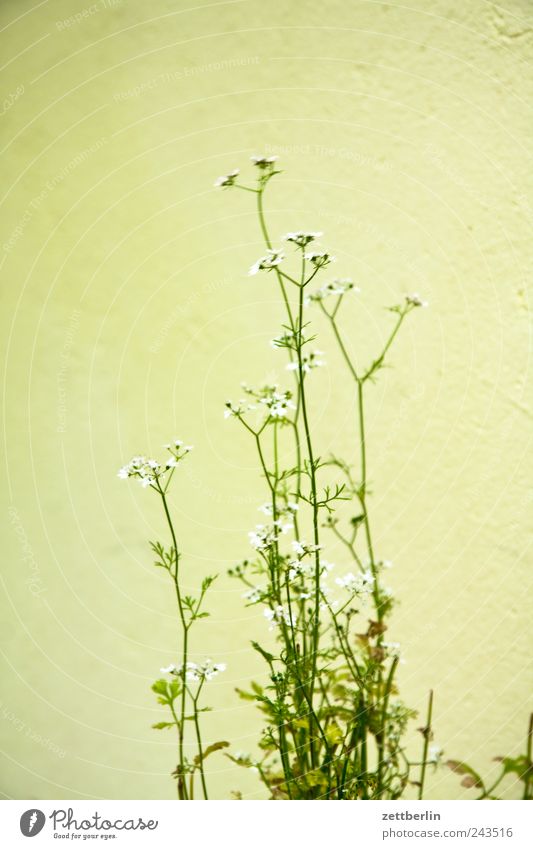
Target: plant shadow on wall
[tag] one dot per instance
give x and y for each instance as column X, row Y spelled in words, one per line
column 334, row 725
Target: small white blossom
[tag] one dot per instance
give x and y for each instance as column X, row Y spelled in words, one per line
column 415, row 300
column 169, row 670
column 264, row 161
column 205, row 671
column 392, row 649
column 357, row 584
column 435, row 754
column 253, row 595
column 319, row 258
column 309, row 362
column 271, row 259
column 262, row 538
column 227, row 179
column 302, row 548
column 284, row 527
column 301, row 238
column 276, row 616
column 335, row 287
column 149, row 471
column 237, row 410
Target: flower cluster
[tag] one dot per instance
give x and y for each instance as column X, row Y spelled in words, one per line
column 277, row 403
column 309, row 362
column 337, row 287
column 272, row 258
column 415, row 300
column 227, row 180
column 357, row 584
column 237, row 410
column 319, row 258
column 264, row 162
column 288, row 507
column 301, row 238
column 277, row 616
column 302, row 548
column 149, row 471
column 205, row 671
column 265, row 536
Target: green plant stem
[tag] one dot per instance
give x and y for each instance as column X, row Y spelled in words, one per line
column 185, row 629
column 262, row 224
column 529, row 752
column 200, row 746
column 383, row 723
column 297, row 333
column 427, row 736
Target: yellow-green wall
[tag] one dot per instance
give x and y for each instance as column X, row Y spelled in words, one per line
column 127, row 319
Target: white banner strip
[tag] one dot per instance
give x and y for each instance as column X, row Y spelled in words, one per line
column 267, row 825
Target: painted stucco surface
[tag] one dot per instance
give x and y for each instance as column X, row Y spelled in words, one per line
column 127, row 318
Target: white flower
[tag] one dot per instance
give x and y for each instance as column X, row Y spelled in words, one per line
column 169, row 670
column 301, row 238
column 302, row 548
column 308, row 363
column 415, row 300
column 254, row 595
column 393, row 649
column 264, row 161
column 237, row 410
column 262, row 538
column 227, row 180
column 298, row 547
column 276, row 616
column 277, row 403
column 435, row 754
column 335, row 287
column 319, row 258
column 284, row 527
column 200, row 671
column 357, row 584
column 149, row 471
column 271, row 259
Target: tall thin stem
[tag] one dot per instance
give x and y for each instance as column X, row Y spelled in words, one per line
column 185, row 629
column 427, row 737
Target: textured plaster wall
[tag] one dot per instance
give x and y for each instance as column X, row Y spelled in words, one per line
column 127, row 318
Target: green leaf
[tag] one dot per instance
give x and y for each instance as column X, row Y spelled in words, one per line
column 471, row 779
column 248, row 697
column 160, row 686
column 214, row 747
column 161, row 725
column 519, row 765
column 334, row 734
column 174, row 688
column 267, row 656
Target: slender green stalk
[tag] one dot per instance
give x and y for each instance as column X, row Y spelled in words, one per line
column 199, row 741
column 185, row 629
column 427, row 737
